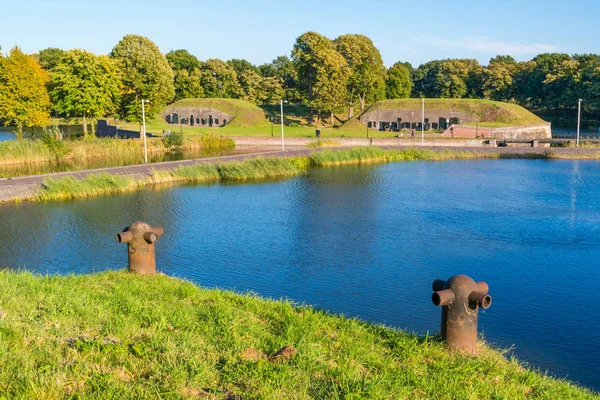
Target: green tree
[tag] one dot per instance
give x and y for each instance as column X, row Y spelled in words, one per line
column 24, row 99
column 50, row 57
column 250, row 85
column 562, row 84
column 453, row 78
column 85, row 85
column 146, row 75
column 331, row 82
column 240, row 65
column 182, row 60
column 367, row 73
column 220, row 80
column 498, row 78
column 283, row 69
column 322, row 72
column 270, row 90
column 188, row 84
column 398, row 82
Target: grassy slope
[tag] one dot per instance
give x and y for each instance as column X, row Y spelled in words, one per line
column 117, row 335
column 245, row 113
column 490, row 112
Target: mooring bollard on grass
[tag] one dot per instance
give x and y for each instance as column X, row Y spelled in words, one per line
column 140, row 238
column 460, row 298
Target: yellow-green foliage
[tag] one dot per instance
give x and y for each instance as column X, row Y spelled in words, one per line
column 192, row 173
column 374, row 155
column 244, row 113
column 502, row 114
column 117, row 150
column 324, row 143
column 92, row 185
column 261, row 168
column 117, row 335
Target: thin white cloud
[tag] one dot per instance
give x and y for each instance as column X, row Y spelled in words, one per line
column 484, row 44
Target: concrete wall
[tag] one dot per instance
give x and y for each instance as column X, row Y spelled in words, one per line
column 105, row 130
column 526, row 132
column 414, row 116
column 203, row 116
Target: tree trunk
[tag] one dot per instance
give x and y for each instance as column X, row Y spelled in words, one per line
column 19, row 131
column 332, row 119
column 350, row 112
column 84, row 124
column 362, row 102
column 93, row 129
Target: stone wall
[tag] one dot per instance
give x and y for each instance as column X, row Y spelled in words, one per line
column 524, row 132
column 196, row 116
column 414, row 116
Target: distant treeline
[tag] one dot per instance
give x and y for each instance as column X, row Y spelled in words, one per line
column 326, row 75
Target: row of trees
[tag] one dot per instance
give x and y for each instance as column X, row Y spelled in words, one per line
column 327, row 75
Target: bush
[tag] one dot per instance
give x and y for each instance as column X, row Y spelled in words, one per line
column 173, row 140
column 52, row 137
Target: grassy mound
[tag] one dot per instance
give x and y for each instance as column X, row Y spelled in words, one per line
column 244, row 113
column 493, row 113
column 117, row 335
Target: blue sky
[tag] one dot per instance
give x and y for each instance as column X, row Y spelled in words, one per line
column 260, row 30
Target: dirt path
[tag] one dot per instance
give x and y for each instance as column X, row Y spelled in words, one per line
column 19, row 188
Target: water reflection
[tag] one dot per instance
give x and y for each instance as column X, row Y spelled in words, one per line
column 366, row 242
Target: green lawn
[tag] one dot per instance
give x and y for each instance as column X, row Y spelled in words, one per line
column 117, row 335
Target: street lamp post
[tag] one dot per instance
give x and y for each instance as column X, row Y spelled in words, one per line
column 422, row 121
column 144, row 130
column 578, row 122
column 476, row 127
column 282, row 145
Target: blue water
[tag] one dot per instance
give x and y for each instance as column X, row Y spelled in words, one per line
column 367, row 242
column 6, row 135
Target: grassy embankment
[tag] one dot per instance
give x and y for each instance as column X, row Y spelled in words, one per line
column 36, row 151
column 259, row 168
column 493, row 114
column 250, row 120
column 118, row 335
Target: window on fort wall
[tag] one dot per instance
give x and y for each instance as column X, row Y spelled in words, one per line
column 224, row 122
column 216, row 121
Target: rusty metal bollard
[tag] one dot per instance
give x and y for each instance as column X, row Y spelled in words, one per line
column 460, row 298
column 140, row 238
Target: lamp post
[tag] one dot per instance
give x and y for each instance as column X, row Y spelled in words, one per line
column 282, row 145
column 144, row 124
column 271, row 119
column 423, row 121
column 476, row 127
column 578, row 122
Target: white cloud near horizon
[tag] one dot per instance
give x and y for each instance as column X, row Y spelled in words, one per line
column 484, row 44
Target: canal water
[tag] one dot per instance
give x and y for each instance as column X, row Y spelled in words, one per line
column 367, row 242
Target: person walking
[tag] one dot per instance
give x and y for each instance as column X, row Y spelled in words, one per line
column 412, row 133
column 318, row 133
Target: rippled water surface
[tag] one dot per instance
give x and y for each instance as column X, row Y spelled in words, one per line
column 367, row 242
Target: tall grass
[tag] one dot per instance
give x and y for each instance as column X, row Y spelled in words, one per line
column 91, row 186
column 193, row 173
column 374, row 155
column 324, row 143
column 35, row 151
column 263, row 168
